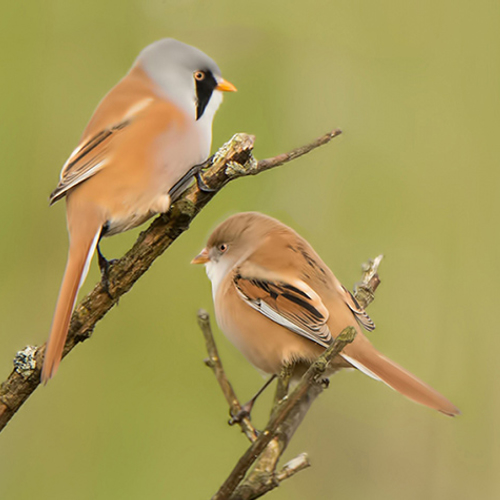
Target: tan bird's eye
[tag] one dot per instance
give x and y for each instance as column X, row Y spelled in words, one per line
column 199, row 75
column 222, row 247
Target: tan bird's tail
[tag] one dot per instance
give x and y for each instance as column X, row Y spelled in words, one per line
column 80, row 254
column 373, row 363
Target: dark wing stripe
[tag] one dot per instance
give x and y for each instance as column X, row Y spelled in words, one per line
column 92, row 144
column 356, row 303
column 73, row 170
column 303, row 304
column 295, row 290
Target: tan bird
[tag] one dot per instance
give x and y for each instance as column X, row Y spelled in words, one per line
column 279, row 303
column 138, row 152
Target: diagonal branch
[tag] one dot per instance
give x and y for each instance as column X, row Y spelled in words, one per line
column 233, row 160
column 288, row 411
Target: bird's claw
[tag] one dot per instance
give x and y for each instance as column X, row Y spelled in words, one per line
column 202, row 185
column 239, row 417
column 105, row 267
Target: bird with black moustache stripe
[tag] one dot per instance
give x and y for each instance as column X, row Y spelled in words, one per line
column 139, row 150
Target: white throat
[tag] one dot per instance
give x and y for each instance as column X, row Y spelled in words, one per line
column 216, row 272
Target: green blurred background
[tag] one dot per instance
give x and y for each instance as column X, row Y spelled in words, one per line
column 133, row 413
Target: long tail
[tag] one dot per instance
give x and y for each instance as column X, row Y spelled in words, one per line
column 82, row 248
column 373, row 363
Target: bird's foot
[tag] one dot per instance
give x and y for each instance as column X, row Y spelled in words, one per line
column 105, row 267
column 243, row 413
column 202, row 185
column 183, row 183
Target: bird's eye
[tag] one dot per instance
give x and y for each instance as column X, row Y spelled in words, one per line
column 222, row 247
column 199, row 75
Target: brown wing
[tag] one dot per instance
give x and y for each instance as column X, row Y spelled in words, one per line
column 293, row 305
column 85, row 161
column 364, row 320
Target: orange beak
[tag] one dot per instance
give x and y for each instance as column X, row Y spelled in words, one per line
column 201, row 258
column 225, row 86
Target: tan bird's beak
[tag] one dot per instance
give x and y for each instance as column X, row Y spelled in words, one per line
column 201, row 258
column 225, row 86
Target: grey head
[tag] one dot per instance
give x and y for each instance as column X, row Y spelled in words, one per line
column 186, row 75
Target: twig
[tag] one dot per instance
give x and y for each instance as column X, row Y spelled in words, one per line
column 364, row 290
column 214, row 362
column 296, row 153
column 295, row 465
column 288, row 411
column 232, row 161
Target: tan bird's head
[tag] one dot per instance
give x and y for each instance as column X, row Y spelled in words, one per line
column 233, row 241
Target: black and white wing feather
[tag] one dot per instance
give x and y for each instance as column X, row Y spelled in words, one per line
column 295, row 306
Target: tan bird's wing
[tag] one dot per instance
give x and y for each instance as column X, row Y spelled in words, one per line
column 295, row 306
column 86, row 160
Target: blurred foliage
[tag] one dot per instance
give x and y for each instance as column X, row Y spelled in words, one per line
column 134, row 413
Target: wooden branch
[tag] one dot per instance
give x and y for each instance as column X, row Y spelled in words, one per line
column 288, row 410
column 296, row 153
column 233, row 160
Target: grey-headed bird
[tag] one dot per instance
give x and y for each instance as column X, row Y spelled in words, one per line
column 137, row 152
